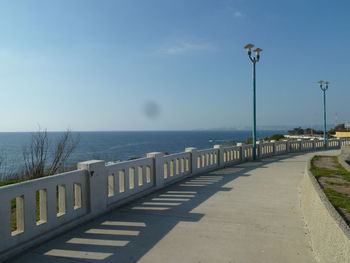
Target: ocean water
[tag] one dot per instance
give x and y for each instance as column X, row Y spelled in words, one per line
column 113, row 146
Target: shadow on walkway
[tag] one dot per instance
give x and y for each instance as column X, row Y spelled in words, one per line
column 128, row 233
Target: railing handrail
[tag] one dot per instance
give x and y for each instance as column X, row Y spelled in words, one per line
column 36, row 180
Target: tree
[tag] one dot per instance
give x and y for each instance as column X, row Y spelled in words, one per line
column 296, row 131
column 340, row 128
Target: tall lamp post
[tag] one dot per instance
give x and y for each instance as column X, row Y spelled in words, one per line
column 324, row 87
column 253, row 59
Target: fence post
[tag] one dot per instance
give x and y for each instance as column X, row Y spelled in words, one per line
column 221, row 161
column 194, row 156
column 97, row 173
column 158, row 165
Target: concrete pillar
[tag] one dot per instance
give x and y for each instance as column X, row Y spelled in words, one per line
column 158, row 168
column 313, row 143
column 273, row 147
column 342, row 142
column 241, row 151
column 98, row 185
column 221, row 162
column 5, row 222
column 193, row 162
column 29, row 214
column 288, row 146
column 299, row 143
column 259, row 149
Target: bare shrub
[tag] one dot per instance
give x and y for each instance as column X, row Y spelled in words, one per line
column 7, row 171
column 42, row 159
column 64, row 148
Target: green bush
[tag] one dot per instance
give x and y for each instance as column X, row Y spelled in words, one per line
column 249, row 140
column 275, row 137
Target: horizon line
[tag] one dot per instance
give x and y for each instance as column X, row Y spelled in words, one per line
column 184, row 130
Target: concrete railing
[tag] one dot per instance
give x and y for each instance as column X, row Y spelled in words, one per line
column 175, row 166
column 32, row 209
column 207, row 160
column 127, row 178
column 36, row 210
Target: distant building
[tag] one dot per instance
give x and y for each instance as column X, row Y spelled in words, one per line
column 342, row 134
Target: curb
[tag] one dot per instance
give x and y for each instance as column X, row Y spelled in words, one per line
column 330, row 234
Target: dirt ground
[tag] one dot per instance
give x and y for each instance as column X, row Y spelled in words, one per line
column 325, row 163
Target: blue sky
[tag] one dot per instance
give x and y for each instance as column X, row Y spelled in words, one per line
column 170, row 65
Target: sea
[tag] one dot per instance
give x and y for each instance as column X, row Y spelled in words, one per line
column 121, row 145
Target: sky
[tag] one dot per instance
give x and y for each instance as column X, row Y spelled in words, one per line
column 171, row 64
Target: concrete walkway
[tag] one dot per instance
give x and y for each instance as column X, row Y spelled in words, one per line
column 247, row 213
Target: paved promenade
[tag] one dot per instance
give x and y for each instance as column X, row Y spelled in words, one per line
column 246, row 213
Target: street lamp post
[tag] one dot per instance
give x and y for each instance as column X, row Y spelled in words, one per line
column 253, row 59
column 324, row 87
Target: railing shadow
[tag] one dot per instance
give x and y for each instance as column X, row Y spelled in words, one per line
column 128, row 233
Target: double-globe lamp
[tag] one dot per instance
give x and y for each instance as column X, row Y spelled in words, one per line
column 324, row 87
column 254, row 60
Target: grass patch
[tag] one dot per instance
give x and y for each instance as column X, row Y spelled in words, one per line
column 3, row 183
column 338, row 199
column 323, row 172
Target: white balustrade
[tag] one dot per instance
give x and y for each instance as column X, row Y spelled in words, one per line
column 281, row 147
column 128, row 178
column 35, row 210
column 207, row 160
column 176, row 166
